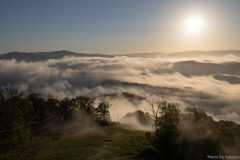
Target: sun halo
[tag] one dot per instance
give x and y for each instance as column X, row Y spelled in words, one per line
column 194, row 24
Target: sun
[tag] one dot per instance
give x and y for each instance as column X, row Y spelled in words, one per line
column 194, row 24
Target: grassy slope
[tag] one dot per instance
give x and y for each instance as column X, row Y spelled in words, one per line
column 99, row 143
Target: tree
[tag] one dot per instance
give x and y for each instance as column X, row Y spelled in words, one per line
column 166, row 134
column 84, row 104
column 200, row 133
column 65, row 109
column 53, row 105
column 76, row 108
column 140, row 116
column 17, row 115
column 196, row 114
column 39, row 105
column 8, row 92
column 103, row 111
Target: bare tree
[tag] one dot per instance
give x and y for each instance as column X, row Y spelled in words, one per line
column 8, row 92
column 156, row 103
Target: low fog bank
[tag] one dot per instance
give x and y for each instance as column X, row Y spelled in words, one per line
column 211, row 83
column 121, row 105
column 125, row 108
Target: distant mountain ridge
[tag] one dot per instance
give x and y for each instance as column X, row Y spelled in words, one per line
column 217, row 53
column 189, row 54
column 42, row 56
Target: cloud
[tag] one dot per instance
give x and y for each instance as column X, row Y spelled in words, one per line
column 212, row 84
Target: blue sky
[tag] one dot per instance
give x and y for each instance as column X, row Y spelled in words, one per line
column 117, row 26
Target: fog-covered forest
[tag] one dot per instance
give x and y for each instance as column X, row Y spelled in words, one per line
column 170, row 133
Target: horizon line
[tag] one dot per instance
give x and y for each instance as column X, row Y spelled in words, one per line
column 124, row 53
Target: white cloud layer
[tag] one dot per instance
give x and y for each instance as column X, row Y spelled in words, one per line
column 213, row 84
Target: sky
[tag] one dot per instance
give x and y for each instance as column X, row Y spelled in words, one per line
column 118, row 26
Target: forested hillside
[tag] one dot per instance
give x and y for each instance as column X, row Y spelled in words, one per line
column 29, row 122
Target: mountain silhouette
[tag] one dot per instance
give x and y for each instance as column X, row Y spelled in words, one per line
column 42, row 56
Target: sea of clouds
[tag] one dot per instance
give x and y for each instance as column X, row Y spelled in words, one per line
column 208, row 82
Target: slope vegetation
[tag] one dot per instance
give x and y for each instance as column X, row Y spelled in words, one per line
column 102, row 143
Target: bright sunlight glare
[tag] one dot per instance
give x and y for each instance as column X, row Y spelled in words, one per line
column 194, row 24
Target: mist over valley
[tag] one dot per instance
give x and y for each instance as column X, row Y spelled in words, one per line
column 207, row 79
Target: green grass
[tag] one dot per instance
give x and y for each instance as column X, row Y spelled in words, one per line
column 100, row 143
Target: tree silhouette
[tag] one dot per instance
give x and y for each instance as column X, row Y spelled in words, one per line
column 166, row 130
column 16, row 116
column 103, row 111
column 39, row 105
column 84, row 104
